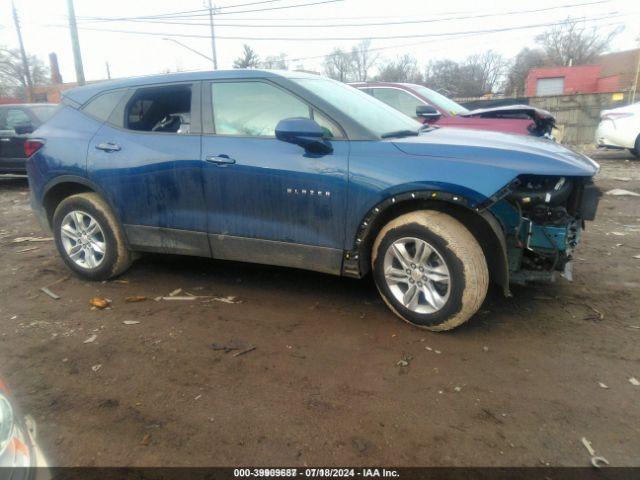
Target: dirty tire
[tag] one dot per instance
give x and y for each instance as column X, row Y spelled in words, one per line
column 463, row 256
column 117, row 258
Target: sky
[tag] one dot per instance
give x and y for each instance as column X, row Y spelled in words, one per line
column 429, row 30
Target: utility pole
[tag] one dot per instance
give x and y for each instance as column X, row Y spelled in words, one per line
column 75, row 43
column 635, row 79
column 23, row 54
column 108, row 70
column 213, row 38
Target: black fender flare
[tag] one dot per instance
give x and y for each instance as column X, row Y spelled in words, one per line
column 356, row 262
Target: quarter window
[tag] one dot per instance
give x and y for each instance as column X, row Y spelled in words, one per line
column 102, row 105
column 255, row 108
column 401, row 101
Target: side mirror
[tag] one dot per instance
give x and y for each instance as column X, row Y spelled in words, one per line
column 304, row 132
column 23, row 128
column 428, row 112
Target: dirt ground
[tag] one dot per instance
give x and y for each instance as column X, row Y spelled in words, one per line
column 518, row 385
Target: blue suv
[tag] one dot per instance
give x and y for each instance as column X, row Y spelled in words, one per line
column 293, row 169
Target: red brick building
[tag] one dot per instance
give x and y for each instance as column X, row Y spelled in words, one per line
column 613, row 72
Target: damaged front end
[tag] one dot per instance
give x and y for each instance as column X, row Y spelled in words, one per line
column 543, row 218
column 543, row 122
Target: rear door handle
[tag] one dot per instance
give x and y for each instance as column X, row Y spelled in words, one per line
column 108, row 147
column 221, row 159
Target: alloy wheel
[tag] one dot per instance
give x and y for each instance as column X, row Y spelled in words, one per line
column 83, row 239
column 417, row 275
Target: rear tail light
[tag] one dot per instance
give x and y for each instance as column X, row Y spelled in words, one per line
column 32, row 145
column 616, row 115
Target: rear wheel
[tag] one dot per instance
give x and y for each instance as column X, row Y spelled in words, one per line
column 88, row 237
column 430, row 270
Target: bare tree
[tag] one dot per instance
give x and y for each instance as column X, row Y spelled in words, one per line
column 477, row 75
column 484, row 73
column 339, row 65
column 443, row 76
column 573, row 43
column 248, row 59
column 363, row 60
column 524, row 61
column 275, row 62
column 13, row 79
column 402, row 69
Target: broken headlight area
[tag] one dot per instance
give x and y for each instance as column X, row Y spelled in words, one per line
column 543, row 218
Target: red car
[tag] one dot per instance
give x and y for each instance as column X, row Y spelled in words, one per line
column 431, row 107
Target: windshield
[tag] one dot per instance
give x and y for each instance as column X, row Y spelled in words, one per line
column 440, row 101
column 372, row 114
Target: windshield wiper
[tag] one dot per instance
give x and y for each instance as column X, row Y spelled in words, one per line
column 400, row 133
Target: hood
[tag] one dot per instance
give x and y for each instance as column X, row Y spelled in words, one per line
column 520, row 153
column 543, row 119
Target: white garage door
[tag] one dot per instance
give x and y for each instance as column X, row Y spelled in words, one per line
column 550, row 86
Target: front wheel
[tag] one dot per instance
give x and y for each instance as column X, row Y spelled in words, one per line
column 430, row 270
column 89, row 238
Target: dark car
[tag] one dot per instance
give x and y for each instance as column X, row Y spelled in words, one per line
column 16, row 122
column 297, row 170
column 429, row 106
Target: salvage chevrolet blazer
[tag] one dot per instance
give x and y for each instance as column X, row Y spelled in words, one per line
column 297, row 170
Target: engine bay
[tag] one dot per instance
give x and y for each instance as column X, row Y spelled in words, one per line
column 543, row 217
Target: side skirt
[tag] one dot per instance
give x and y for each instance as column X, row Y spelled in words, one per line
column 226, row 247
column 270, row 252
column 167, row 240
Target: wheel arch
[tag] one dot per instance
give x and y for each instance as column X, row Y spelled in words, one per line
column 64, row 186
column 480, row 222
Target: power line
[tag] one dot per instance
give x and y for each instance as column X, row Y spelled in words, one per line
column 172, row 14
column 225, row 13
column 412, row 44
column 384, row 23
column 371, row 37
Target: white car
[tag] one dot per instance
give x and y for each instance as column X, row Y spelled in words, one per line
column 620, row 128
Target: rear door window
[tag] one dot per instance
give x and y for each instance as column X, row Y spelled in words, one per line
column 165, row 109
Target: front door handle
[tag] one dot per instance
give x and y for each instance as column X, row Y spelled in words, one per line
column 108, row 147
column 221, row 159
